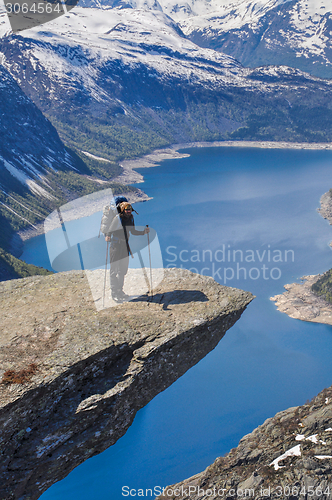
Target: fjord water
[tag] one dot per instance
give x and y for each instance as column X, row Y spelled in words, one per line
column 262, row 204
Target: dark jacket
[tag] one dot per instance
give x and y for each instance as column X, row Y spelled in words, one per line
column 120, row 230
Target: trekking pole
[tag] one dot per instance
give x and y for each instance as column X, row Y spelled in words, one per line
column 143, row 270
column 150, row 263
column 105, row 273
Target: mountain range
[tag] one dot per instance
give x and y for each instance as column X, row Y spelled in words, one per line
column 125, row 77
column 119, row 82
column 295, row 33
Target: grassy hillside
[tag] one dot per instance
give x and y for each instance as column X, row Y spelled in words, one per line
column 11, row 267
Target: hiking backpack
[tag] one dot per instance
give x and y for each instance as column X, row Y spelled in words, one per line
column 109, row 212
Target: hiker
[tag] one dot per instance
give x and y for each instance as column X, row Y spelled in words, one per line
column 118, row 235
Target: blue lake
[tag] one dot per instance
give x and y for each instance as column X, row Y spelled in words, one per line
column 248, row 217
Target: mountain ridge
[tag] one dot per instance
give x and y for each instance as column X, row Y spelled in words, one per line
column 118, row 83
column 295, row 33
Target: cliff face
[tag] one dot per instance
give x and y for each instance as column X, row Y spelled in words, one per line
column 74, row 378
column 288, row 457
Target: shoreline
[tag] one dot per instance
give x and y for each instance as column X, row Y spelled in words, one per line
column 130, row 176
column 171, row 152
column 298, row 301
column 85, row 210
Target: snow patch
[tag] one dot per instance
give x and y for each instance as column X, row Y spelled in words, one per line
column 15, row 172
column 292, row 452
column 36, row 189
column 95, row 157
column 314, row 438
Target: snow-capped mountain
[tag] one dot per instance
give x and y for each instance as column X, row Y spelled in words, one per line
column 114, row 66
column 256, row 32
column 296, row 33
column 181, row 11
column 122, row 67
column 122, row 81
column 75, row 48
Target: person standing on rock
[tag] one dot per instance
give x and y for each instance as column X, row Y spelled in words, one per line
column 118, row 235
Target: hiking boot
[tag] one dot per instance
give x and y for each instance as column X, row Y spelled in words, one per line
column 117, row 298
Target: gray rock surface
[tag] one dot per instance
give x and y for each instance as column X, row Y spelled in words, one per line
column 288, row 457
column 74, row 378
column 299, row 302
column 326, row 206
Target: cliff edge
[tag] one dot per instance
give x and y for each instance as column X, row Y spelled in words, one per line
column 74, row 378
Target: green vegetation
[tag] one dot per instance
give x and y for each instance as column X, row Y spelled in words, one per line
column 171, row 114
column 111, row 138
column 11, row 267
column 22, row 210
column 323, row 287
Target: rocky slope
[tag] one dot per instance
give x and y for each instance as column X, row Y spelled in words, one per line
column 73, row 379
column 288, row 457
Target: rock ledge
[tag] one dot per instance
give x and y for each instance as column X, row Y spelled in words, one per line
column 87, row 373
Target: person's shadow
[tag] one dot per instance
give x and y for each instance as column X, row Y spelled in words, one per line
column 174, row 297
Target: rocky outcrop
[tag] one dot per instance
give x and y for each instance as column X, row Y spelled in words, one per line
column 299, row 302
column 74, row 378
column 326, row 206
column 288, row 457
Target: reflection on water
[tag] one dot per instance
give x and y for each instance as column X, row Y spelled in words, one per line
column 251, row 202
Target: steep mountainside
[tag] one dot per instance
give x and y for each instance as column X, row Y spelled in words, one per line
column 31, row 155
column 120, row 82
column 37, row 171
column 30, row 146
